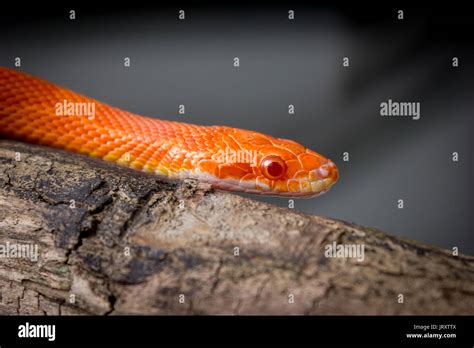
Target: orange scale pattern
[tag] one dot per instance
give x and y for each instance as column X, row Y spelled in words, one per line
column 36, row 111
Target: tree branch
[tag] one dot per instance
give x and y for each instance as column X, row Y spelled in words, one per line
column 117, row 241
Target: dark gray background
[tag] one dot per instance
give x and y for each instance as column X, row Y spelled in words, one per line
column 290, row 62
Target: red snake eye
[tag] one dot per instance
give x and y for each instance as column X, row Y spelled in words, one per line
column 273, row 167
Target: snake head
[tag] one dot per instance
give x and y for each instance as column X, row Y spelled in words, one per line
column 305, row 174
column 272, row 166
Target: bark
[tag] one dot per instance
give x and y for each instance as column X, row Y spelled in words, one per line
column 117, row 241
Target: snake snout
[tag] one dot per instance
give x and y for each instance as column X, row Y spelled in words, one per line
column 323, row 177
column 328, row 171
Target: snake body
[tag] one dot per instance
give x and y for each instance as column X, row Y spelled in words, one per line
column 39, row 112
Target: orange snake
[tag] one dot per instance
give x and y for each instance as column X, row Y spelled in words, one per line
column 39, row 112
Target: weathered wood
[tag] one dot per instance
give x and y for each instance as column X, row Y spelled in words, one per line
column 181, row 239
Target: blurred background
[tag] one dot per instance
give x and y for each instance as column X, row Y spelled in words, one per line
column 283, row 62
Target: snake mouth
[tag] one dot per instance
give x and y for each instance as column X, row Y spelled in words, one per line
column 310, row 189
column 318, row 188
column 319, row 181
column 315, row 183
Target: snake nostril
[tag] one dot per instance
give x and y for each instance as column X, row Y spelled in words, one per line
column 328, row 170
column 323, row 172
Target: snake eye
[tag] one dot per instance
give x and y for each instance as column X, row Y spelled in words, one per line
column 273, row 167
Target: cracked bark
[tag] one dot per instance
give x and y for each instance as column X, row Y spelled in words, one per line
column 133, row 244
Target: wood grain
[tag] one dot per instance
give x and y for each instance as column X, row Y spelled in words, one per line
column 134, row 244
